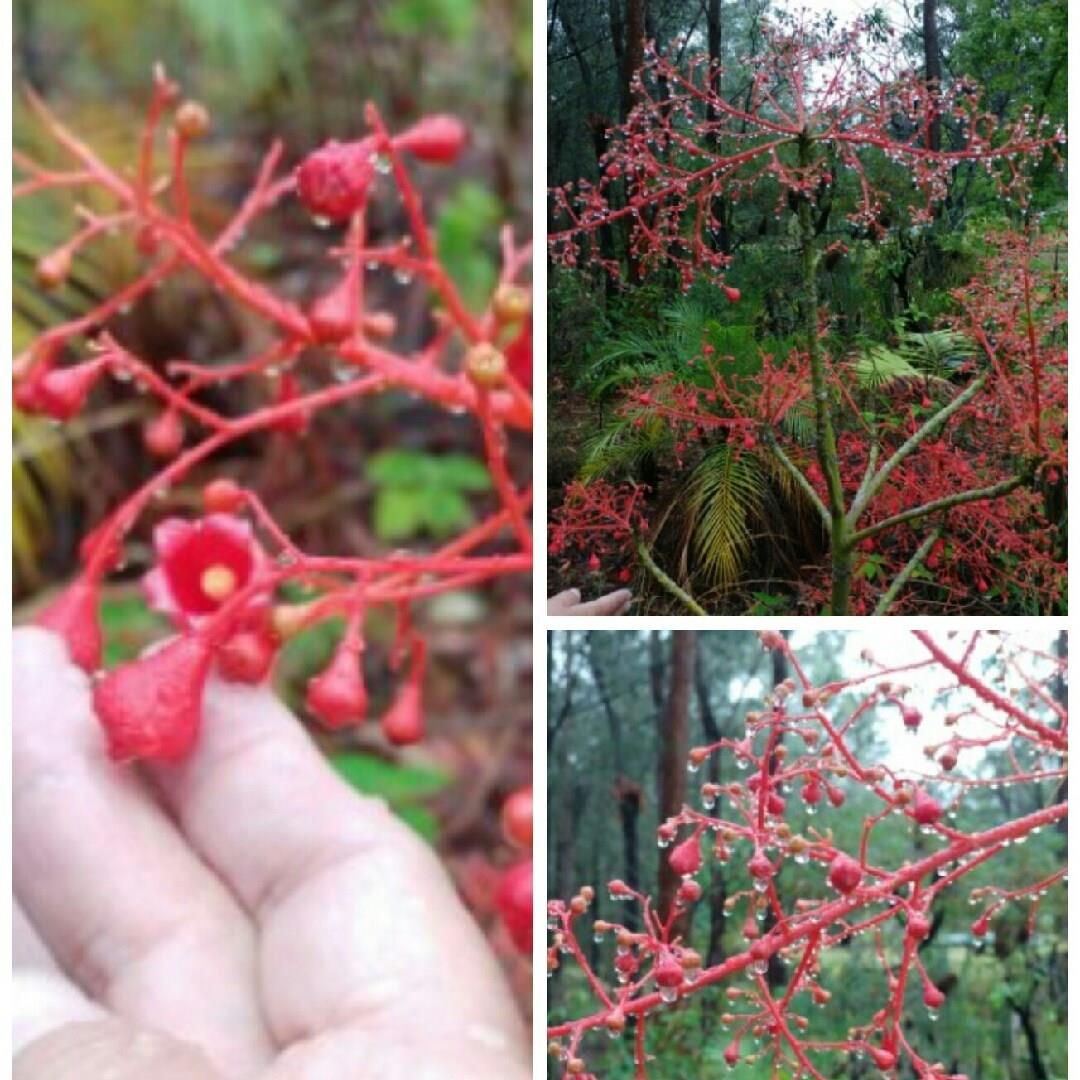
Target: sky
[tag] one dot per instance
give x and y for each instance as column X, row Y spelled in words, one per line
column 848, row 10
column 896, row 646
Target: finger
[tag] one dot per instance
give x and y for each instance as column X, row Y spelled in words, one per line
column 111, row 1049
column 43, row 1000
column 475, row 1053
column 112, row 888
column 359, row 922
column 561, row 603
column 612, row 604
column 27, row 948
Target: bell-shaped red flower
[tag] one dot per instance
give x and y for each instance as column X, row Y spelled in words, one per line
column 200, row 564
column 338, row 696
column 151, row 707
column 163, row 435
column 62, row 392
column 333, row 315
column 685, row 858
column 74, row 616
column 438, row 139
column 845, row 873
column 403, row 722
column 514, row 902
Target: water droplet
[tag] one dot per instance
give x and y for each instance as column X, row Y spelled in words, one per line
column 382, row 164
column 669, row 994
column 320, row 222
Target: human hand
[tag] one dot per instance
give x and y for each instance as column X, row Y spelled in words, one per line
column 569, row 602
column 242, row 913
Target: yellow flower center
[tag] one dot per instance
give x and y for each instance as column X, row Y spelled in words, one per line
column 218, row 582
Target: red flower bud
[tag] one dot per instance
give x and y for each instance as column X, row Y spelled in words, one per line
column 689, row 892
column 222, row 497
column 732, row 293
column 918, row 926
column 438, row 139
column 62, row 392
column 337, row 696
column 334, row 181
column 163, row 435
column 594, row 562
column 333, row 315
column 836, row 796
column 151, row 707
column 74, row 616
column 517, row 817
column 932, row 997
column 685, row 858
column 247, row 656
column 403, row 722
column 883, row 1059
column 925, row 810
column 669, row 971
column 845, row 873
column 731, row 1054
column 759, row 866
column 514, row 902
column 912, row 717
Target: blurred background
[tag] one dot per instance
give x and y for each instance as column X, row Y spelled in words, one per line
column 381, row 474
column 623, row 710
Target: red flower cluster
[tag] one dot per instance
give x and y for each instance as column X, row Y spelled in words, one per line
column 219, row 578
column 806, row 735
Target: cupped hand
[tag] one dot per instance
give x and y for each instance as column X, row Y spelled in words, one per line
column 569, row 602
column 242, row 913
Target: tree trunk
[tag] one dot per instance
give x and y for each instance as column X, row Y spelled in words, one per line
column 714, row 948
column 674, row 746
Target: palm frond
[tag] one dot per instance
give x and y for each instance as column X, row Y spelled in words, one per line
column 620, row 447
column 723, row 493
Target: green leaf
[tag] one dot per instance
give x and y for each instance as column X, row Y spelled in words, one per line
column 464, row 230
column 128, row 626
column 445, row 511
column 422, row 820
column 452, row 19
column 395, row 783
column 462, row 472
column 400, row 468
column 398, row 513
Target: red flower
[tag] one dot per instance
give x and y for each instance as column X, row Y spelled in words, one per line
column 200, row 564
column 685, row 859
column 151, row 708
column 337, row 695
column 333, row 182
column 519, row 355
column 74, row 616
column 437, row 139
column 514, row 901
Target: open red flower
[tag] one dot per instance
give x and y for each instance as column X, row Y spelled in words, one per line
column 200, row 564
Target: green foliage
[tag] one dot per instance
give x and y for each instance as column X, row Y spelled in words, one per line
column 916, row 357
column 128, row 626
column 423, row 493
column 722, row 497
column 464, row 228
column 404, row 787
column 454, row 19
